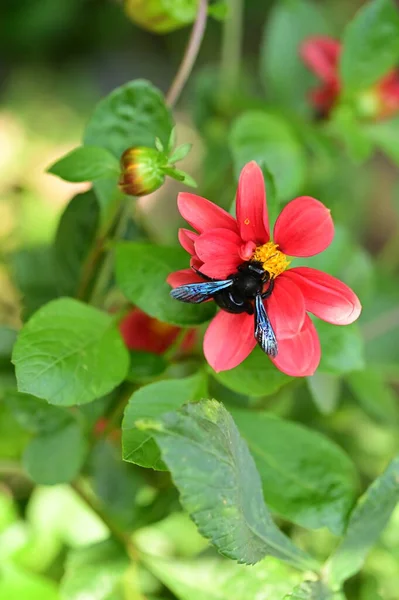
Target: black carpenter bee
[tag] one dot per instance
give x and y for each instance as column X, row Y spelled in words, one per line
column 242, row 291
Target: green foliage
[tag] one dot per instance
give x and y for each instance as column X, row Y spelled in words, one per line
column 219, row 485
column 284, row 76
column 86, row 163
column 69, row 353
column 141, row 272
column 256, row 376
column 374, row 395
column 34, row 273
column 115, row 471
column 132, row 115
column 269, row 139
column 95, row 572
column 15, row 584
column 370, row 45
column 218, row 580
column 313, row 590
column 145, row 365
column 342, row 348
column 150, row 402
column 386, row 136
column 368, row 519
column 56, row 456
column 305, row 477
column 79, row 221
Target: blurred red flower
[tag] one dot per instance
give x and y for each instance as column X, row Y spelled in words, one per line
column 142, row 332
column 222, row 243
column 321, row 55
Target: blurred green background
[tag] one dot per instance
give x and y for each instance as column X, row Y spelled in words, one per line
column 57, row 59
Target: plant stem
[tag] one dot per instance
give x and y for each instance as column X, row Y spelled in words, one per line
column 119, row 535
column 231, row 48
column 190, row 54
column 105, row 273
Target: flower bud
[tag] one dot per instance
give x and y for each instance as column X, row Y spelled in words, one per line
column 141, row 171
column 159, row 16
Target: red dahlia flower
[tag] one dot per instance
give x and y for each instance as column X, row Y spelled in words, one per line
column 221, row 244
column 321, row 55
column 142, row 332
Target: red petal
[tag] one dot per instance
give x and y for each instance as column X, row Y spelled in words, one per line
column 299, row 356
column 304, row 227
column 286, row 308
column 228, row 340
column 217, row 243
column 222, row 267
column 321, row 55
column 187, row 239
column 251, row 207
column 183, row 277
column 202, row 214
column 325, row 296
column 141, row 332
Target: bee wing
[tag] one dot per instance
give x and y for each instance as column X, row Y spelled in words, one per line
column 196, row 293
column 264, row 333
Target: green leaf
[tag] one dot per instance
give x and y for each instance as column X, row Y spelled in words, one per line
column 345, row 125
column 181, row 176
column 7, row 341
column 374, row 395
column 306, row 478
column 36, row 415
column 368, row 519
column 141, row 272
column 256, row 376
column 219, row 10
column 145, row 365
column 313, row 590
column 219, row 485
column 79, row 222
column 69, row 353
column 34, row 272
column 180, row 153
column 342, row 348
column 56, row 456
column 95, row 572
column 268, row 139
column 131, row 115
column 211, row 579
column 17, row 584
column 152, row 401
column 284, row 76
column 370, row 45
column 386, row 135
column 86, row 163
column 325, row 391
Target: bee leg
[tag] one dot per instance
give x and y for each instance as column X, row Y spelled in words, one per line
column 269, row 290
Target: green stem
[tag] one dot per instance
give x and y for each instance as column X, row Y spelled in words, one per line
column 231, row 48
column 98, row 249
column 106, row 270
column 190, row 54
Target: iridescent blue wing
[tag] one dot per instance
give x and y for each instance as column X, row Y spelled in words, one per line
column 264, row 333
column 199, row 292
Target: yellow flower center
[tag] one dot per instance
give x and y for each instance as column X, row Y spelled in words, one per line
column 273, row 260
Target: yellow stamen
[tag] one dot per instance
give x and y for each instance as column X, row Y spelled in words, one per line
column 273, row 260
